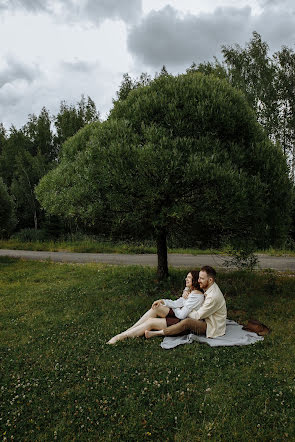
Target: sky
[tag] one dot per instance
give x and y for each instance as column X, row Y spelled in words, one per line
column 55, row 50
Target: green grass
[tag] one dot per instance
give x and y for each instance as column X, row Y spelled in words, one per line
column 60, row 381
column 96, row 246
column 93, row 246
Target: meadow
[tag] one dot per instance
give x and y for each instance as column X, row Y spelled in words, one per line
column 60, row 381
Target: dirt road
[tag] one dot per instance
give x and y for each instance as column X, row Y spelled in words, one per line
column 175, row 260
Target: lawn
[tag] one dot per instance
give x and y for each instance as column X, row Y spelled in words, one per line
column 60, row 381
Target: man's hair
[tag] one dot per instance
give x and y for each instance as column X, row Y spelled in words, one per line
column 210, row 271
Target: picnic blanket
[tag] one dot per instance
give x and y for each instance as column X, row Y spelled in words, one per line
column 234, row 335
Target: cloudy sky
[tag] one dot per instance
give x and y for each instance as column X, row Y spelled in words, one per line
column 53, row 50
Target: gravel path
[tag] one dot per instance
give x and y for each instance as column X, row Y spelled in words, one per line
column 174, row 259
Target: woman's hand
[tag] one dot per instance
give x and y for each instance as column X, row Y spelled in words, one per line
column 185, row 293
column 157, row 304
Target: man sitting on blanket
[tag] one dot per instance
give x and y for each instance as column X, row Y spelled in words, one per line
column 210, row 319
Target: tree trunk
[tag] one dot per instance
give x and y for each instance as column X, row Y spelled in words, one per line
column 35, row 220
column 162, row 271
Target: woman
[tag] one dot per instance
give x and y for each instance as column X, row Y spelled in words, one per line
column 165, row 312
column 209, row 319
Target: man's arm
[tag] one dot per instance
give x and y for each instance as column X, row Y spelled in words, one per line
column 210, row 306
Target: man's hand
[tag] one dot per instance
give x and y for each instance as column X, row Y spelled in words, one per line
column 157, row 303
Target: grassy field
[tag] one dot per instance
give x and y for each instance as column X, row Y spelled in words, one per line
column 60, row 381
column 96, row 246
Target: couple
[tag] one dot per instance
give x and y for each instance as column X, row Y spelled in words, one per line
column 200, row 310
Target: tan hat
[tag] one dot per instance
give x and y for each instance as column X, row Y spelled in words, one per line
column 257, row 327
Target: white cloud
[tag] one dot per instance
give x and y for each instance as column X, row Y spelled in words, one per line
column 15, row 70
column 59, row 49
column 52, row 62
column 67, row 81
column 197, row 7
column 170, row 38
column 92, row 11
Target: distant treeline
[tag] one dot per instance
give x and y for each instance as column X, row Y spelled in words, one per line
column 27, row 154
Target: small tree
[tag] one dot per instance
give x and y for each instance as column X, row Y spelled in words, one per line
column 179, row 153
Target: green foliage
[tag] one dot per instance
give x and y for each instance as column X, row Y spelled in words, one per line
column 28, row 171
column 242, row 259
column 72, row 118
column 2, row 137
column 7, row 214
column 267, row 82
column 29, row 153
column 128, row 84
column 253, row 71
column 183, row 153
column 70, row 190
column 17, row 142
column 285, row 61
column 29, row 235
column 38, row 131
column 60, row 380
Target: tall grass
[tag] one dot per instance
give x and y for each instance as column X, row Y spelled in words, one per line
column 90, row 245
column 28, row 239
column 60, row 381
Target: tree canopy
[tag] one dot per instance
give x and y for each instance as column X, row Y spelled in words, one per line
column 268, row 84
column 182, row 153
column 7, row 215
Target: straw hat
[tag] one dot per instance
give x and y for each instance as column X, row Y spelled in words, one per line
column 257, row 327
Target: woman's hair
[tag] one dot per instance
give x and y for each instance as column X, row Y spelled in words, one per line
column 195, row 275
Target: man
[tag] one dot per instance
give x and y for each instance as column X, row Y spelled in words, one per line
column 213, row 311
column 209, row 319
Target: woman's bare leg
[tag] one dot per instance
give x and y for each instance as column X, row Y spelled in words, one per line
column 193, row 325
column 152, row 333
column 161, row 312
column 149, row 324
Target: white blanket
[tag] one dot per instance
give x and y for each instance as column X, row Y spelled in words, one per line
column 234, row 335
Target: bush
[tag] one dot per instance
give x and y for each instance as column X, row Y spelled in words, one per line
column 30, row 235
column 242, row 259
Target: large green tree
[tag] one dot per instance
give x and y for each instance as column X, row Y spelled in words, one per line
column 183, row 153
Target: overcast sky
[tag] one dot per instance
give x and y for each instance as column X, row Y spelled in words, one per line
column 54, row 50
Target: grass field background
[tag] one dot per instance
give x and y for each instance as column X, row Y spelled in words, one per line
column 60, row 381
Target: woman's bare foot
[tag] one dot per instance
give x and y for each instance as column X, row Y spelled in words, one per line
column 149, row 333
column 117, row 338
